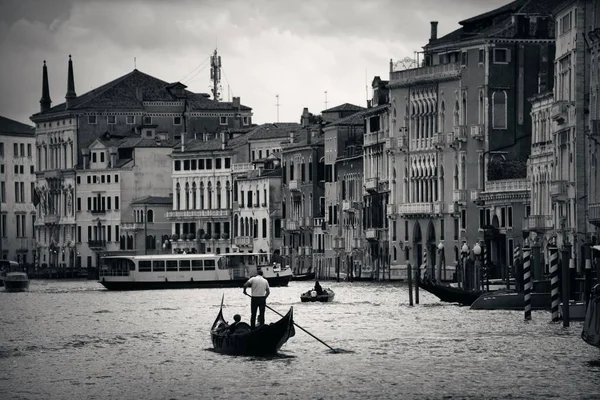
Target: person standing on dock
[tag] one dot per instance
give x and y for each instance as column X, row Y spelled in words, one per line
column 260, row 292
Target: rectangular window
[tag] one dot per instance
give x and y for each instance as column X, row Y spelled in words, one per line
column 3, row 225
column 89, row 203
column 405, row 230
column 89, row 179
column 177, row 165
column 111, row 119
column 208, row 163
column 94, row 159
column 245, row 120
column 145, row 266
column 176, row 120
column 463, row 58
column 32, row 191
column 502, row 217
column 102, row 157
column 89, row 233
column 158, row 265
column 481, row 56
column 3, row 192
column 15, row 150
column 92, row 119
column 31, row 169
column 227, row 162
column 107, row 178
column 463, row 219
column 218, row 163
column 116, row 202
column 171, row 265
column 79, row 204
column 197, row 265
column 116, row 178
column 130, row 119
column 456, row 230
column 565, row 23
column 510, row 217
column 223, row 120
column 109, row 233
column 79, row 234
column 442, row 229
column 481, row 218
column 499, row 109
column 209, row 265
column 147, row 120
column 108, row 203
column 501, row 56
column 184, row 265
column 28, row 149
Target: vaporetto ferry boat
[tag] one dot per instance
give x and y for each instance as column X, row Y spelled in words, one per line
column 183, row 271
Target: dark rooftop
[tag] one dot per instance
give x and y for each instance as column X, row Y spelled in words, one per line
column 153, row 200
column 344, row 107
column 129, row 91
column 12, row 127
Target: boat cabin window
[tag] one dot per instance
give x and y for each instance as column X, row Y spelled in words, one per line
column 158, row 266
column 171, row 265
column 197, row 265
column 209, row 265
column 145, row 266
column 117, row 266
column 184, row 265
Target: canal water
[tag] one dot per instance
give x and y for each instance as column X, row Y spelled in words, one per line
column 75, row 340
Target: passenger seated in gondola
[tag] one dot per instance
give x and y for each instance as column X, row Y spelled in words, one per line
column 318, row 288
column 236, row 318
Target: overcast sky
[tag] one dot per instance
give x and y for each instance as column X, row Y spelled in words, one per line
column 297, row 49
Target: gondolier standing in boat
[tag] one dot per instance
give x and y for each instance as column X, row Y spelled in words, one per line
column 260, row 292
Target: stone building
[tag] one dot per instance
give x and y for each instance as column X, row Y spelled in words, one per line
column 135, row 106
column 464, row 130
column 17, row 180
column 303, row 200
column 376, row 145
column 594, row 135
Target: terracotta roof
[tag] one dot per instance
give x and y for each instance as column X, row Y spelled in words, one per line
column 10, row 126
column 153, row 200
column 264, row 131
column 122, row 94
column 355, row 119
column 497, row 23
column 344, row 107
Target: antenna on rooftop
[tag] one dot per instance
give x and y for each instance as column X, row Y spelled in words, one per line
column 134, row 63
column 326, row 99
column 277, row 105
column 215, row 75
column 366, row 86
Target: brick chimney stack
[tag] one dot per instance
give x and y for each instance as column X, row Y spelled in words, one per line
column 434, row 25
column 45, row 102
column 304, row 120
column 71, row 95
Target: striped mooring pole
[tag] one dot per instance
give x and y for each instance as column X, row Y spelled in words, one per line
column 527, row 281
column 486, row 272
column 555, row 300
column 425, row 260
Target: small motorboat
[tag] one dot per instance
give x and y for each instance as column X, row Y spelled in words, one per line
column 591, row 327
column 241, row 340
column 16, row 282
column 312, row 296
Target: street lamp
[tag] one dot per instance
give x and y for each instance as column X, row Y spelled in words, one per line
column 440, row 247
column 462, row 265
column 477, row 273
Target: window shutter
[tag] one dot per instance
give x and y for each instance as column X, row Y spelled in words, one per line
column 508, row 55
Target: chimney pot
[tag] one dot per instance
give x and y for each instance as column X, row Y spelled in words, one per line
column 434, row 26
column 236, row 102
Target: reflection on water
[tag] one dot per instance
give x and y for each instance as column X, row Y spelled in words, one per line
column 75, row 340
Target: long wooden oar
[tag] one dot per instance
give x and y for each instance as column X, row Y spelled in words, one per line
column 281, row 315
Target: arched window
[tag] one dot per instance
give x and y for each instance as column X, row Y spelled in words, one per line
column 499, row 109
column 227, row 195
column 209, row 195
column 187, row 196
column 264, row 228
column 178, row 196
column 255, row 229
column 481, row 108
column 202, row 195
column 442, row 118
column 235, row 225
column 219, row 195
column 150, row 216
column 464, row 108
column 194, row 195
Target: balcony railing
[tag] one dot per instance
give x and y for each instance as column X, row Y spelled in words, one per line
column 51, row 219
column 460, row 133
column 475, row 195
column 507, row 185
column 97, row 244
column 131, row 226
column 339, row 243
column 459, row 196
column 559, row 190
column 415, row 208
column 374, row 138
column 294, row 185
column 390, row 210
column 538, row 223
column 357, row 243
column 243, row 241
column 438, row 208
column 241, row 167
column 594, row 213
column 434, row 73
column 188, row 214
column 291, row 225
column 559, row 112
column 371, row 233
column 477, row 132
column 98, row 211
column 439, row 140
column 371, row 184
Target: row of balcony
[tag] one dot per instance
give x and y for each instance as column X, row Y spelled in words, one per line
column 186, row 214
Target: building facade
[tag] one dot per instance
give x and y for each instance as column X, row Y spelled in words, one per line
column 303, row 201
column 135, row 104
column 594, row 136
column 468, row 133
column 148, row 225
column 17, row 182
column 376, row 188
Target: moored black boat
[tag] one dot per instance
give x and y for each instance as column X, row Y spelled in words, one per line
column 309, row 276
column 591, row 327
column 265, row 340
column 450, row 294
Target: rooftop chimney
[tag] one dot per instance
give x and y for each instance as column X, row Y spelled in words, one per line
column 434, row 25
column 304, row 120
column 236, row 102
column 70, row 96
column 45, row 102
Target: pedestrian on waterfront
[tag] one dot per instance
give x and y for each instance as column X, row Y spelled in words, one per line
column 260, row 292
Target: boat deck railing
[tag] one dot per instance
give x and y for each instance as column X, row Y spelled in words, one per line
column 114, row 273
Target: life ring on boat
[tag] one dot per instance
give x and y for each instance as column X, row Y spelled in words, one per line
column 313, row 293
column 166, row 279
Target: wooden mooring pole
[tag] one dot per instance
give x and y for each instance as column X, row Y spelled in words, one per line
column 410, row 284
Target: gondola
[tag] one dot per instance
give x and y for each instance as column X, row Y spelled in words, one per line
column 263, row 341
column 450, row 294
column 309, row 276
column 591, row 327
column 312, row 296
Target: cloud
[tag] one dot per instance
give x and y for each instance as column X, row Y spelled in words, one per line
column 297, row 49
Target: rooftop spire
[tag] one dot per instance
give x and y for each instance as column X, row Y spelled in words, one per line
column 70, row 84
column 45, row 102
